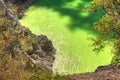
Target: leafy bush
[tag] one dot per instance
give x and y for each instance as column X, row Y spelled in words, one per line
column 108, row 26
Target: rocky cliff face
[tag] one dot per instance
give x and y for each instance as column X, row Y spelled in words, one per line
column 18, row 6
column 20, row 44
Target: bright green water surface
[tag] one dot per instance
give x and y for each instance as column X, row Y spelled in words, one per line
column 65, row 23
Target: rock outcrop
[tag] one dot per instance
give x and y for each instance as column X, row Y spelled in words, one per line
column 109, row 72
column 19, row 7
column 19, row 43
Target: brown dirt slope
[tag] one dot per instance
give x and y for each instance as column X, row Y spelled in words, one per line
column 102, row 73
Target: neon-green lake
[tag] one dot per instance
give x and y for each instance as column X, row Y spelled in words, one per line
column 69, row 28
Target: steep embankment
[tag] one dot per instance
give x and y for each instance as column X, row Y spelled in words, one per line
column 21, row 51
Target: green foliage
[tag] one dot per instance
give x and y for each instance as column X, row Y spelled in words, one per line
column 108, row 26
column 116, row 60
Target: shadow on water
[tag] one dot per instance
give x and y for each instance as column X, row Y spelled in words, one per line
column 77, row 20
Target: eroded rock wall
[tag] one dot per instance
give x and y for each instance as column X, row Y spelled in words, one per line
column 35, row 51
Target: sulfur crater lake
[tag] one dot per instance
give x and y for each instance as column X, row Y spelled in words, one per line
column 69, row 27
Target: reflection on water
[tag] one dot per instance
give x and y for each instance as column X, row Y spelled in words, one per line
column 65, row 23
